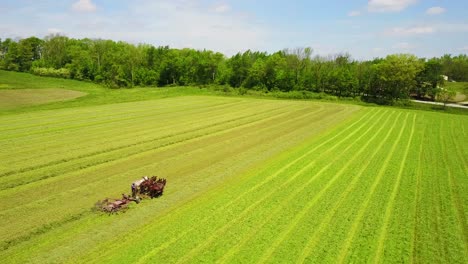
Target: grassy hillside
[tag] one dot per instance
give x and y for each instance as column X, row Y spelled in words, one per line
column 95, row 94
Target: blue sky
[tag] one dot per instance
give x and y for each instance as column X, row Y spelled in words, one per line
column 365, row 29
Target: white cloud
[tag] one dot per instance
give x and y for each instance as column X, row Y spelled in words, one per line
column 222, row 8
column 403, row 46
column 354, row 13
column 408, row 31
column 435, row 10
column 84, row 6
column 389, row 5
column 465, row 48
column 177, row 23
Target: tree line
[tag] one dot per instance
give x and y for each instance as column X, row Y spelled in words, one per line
column 120, row 64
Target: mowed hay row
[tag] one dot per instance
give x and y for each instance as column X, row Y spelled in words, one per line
column 204, row 161
column 51, row 169
column 386, row 188
column 158, row 124
column 169, row 156
column 157, row 135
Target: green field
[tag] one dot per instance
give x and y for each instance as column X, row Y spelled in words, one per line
column 249, row 180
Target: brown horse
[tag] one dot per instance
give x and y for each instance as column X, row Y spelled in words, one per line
column 157, row 188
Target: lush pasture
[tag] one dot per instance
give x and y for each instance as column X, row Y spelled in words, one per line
column 248, row 181
column 56, row 164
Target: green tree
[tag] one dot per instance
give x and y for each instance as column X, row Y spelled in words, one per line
column 11, row 58
column 29, row 50
column 55, row 51
column 80, row 63
column 396, row 76
column 429, row 79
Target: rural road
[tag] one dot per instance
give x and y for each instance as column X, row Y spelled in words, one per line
column 437, row 103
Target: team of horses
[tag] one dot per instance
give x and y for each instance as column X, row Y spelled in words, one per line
column 152, row 187
column 146, row 187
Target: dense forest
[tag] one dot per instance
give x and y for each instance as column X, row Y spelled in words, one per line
column 120, row 64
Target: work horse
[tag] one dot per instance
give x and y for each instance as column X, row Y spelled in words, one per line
column 153, row 187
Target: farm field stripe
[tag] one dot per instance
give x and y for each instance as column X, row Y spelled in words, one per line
column 259, row 201
column 137, row 130
column 99, row 125
column 391, row 203
column 457, row 202
column 99, row 109
column 232, row 251
column 457, row 207
column 214, row 125
column 417, row 199
column 282, row 236
column 331, row 213
column 169, row 115
column 166, row 118
column 73, row 117
column 259, row 114
column 370, row 193
column 74, row 126
column 276, row 124
column 81, row 187
column 436, row 204
column 159, row 146
column 458, row 147
column 43, row 230
column 125, row 131
column 266, row 180
column 442, row 187
column 205, row 115
column 102, row 112
column 83, row 114
column 141, row 146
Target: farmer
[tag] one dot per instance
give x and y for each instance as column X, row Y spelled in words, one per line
column 134, row 189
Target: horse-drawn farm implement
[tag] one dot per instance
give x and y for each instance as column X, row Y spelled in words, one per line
column 144, row 188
